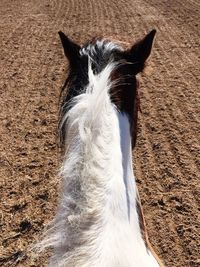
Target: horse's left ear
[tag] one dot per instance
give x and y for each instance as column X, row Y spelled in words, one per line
column 140, row 51
column 71, row 49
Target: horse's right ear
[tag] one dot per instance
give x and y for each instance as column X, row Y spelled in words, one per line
column 71, row 49
column 139, row 52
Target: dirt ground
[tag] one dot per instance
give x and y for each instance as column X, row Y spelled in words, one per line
column 166, row 159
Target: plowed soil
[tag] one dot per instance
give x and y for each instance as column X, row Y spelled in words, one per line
column 166, row 159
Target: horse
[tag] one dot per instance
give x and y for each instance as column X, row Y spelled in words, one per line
column 99, row 221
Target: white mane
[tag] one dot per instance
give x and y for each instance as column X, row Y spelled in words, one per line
column 97, row 222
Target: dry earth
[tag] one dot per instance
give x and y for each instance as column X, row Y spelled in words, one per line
column 167, row 161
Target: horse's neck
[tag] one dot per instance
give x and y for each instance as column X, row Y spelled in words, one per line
column 122, row 232
column 98, row 208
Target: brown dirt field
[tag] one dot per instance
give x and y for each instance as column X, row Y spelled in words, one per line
column 167, row 161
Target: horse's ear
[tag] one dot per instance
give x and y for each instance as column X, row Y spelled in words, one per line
column 140, row 52
column 71, row 49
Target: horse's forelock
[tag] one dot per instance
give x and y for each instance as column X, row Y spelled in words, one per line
column 123, row 93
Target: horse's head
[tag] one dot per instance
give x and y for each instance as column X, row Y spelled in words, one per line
column 100, row 53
